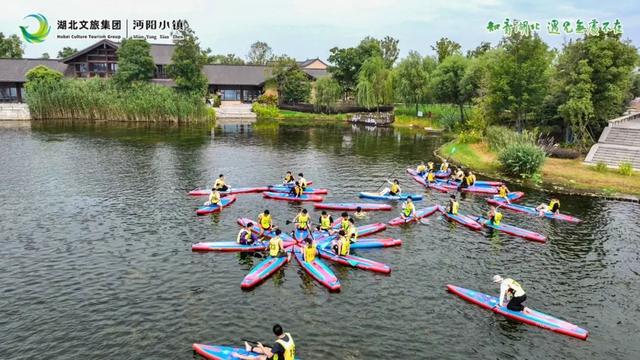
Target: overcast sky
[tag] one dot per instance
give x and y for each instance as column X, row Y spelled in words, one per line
column 308, row 29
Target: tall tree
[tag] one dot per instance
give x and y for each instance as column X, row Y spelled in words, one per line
column 348, row 61
column 293, row 84
column 11, row 46
column 390, row 50
column 375, row 85
column 186, row 64
column 411, row 79
column 45, row 55
column 327, row 94
column 228, row 59
column 66, row 52
column 135, row 63
column 260, row 53
column 479, row 50
column 446, row 82
column 445, row 48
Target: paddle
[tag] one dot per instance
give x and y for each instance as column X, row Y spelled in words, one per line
column 386, row 179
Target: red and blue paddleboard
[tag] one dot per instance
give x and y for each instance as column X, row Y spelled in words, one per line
column 422, row 213
column 209, row 209
column 318, row 270
column 355, row 261
column 353, row 206
column 263, row 271
column 291, row 197
column 513, row 230
column 461, row 219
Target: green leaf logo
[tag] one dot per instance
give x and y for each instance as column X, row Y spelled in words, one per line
column 41, row 34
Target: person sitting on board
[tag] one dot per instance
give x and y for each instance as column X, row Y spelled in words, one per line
column 444, row 166
column 288, row 179
column 503, row 193
column 302, row 220
column 456, row 176
column 344, row 221
column 395, row 189
column 220, row 184
column 421, row 169
column 352, row 231
column 468, row 181
column 276, row 247
column 283, row 349
column 408, row 209
column 245, row 237
column 431, row 177
column 309, row 250
column 453, row 205
column 553, row 206
column 325, row 222
column 512, row 289
column 214, row 198
column 494, row 215
column 302, row 181
column 265, row 221
column 359, row 213
column 342, row 244
column 431, row 166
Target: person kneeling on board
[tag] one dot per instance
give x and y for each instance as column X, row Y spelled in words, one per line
column 309, row 250
column 503, row 193
column 220, row 185
column 395, row 189
column 288, row 179
column 453, row 205
column 325, row 222
column 494, row 215
column 421, row 169
column 408, row 209
column 553, row 206
column 283, row 349
column 512, row 289
column 245, row 237
column 214, row 198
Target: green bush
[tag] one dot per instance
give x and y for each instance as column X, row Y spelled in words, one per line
column 521, row 159
column 43, row 73
column 601, row 167
column 469, row 137
column 625, row 168
column 499, row 137
column 265, row 111
column 268, row 99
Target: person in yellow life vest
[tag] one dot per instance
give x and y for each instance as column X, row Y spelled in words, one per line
column 214, row 198
column 342, row 245
column 276, row 248
column 453, row 205
column 325, row 222
column 553, row 206
column 302, row 181
column 408, row 209
column 456, row 176
column 359, row 213
column 302, row 220
column 503, row 193
column 245, row 237
column 444, row 166
column 283, row 349
column 344, row 221
column 394, row 189
column 431, row 166
column 288, row 178
column 469, row 180
column 513, row 290
column 220, row 184
column 431, row 177
column 351, row 231
column 421, row 169
column 265, row 221
column 494, row 215
column 297, row 190
column 309, row 250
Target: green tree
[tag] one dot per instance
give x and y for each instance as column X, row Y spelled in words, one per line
column 135, row 63
column 327, row 94
column 519, row 77
column 479, row 50
column 42, row 73
column 390, row 50
column 45, row 55
column 260, row 53
column 411, row 79
column 375, row 86
column 348, row 61
column 635, row 87
column 293, row 84
column 66, row 52
column 228, row 59
column 445, row 48
column 447, row 82
column 186, row 64
column 11, row 46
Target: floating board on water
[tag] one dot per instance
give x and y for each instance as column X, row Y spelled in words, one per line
column 421, row 180
column 229, row 246
column 287, row 240
column 218, row 352
column 472, row 189
column 532, row 211
column 225, row 201
column 363, row 230
column 309, row 183
column 377, row 196
column 286, row 189
column 355, row 261
column 289, row 197
column 318, row 270
column 367, row 243
column 443, row 174
column 353, row 206
column 232, row 191
column 421, row 213
column 513, row 230
column 531, row 317
column 299, row 234
column 262, row 271
column 461, row 219
column 512, row 196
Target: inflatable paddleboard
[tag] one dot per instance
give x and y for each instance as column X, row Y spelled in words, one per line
column 318, row 270
column 353, row 206
column 286, row 189
column 377, row 196
column 229, row 246
column 512, row 196
column 262, row 271
column 232, row 191
column 421, row 213
column 287, row 240
column 355, row 261
column 513, row 230
column 218, row 352
column 225, row 201
column 530, row 317
column 532, row 211
column 289, row 197
column 461, row 219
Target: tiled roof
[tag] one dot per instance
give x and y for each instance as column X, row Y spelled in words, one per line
column 14, row 70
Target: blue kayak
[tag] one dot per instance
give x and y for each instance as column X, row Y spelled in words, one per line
column 377, row 196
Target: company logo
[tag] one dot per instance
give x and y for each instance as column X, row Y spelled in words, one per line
column 41, row 34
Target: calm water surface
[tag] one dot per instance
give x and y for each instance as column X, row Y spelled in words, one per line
column 96, row 229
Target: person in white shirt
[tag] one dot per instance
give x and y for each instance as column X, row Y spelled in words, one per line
column 512, row 289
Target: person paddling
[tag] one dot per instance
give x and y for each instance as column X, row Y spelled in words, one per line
column 283, row 349
column 494, row 215
column 245, row 237
column 453, row 205
column 421, row 169
column 214, row 198
column 408, row 209
column 457, row 176
column 341, row 246
column 395, row 189
column 503, row 193
column 220, row 185
column 302, row 181
column 288, row 179
column 513, row 290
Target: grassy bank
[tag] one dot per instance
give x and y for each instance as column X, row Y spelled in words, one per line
column 434, row 115
column 561, row 174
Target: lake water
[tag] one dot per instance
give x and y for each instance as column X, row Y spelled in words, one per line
column 95, row 251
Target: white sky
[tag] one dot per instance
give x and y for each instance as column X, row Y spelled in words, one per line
column 306, row 29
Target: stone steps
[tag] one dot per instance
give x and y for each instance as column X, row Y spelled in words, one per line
column 622, row 136
column 613, row 155
column 235, row 111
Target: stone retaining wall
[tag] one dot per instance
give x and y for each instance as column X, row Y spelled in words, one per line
column 12, row 111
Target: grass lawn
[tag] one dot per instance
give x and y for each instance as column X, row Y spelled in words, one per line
column 566, row 173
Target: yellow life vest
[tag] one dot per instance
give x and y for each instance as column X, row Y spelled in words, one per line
column 265, row 221
column 219, row 183
column 408, row 208
column 214, row 197
column 421, row 168
column 303, row 182
column 497, row 217
column 309, row 253
column 515, row 288
column 345, row 224
column 444, row 166
column 430, row 165
column 345, row 245
column 552, row 203
column 431, row 177
column 325, row 222
column 289, row 348
column 471, row 179
column 502, row 192
column 454, row 207
column 243, row 234
column 275, row 245
column 288, row 178
column 303, row 221
column 395, row 188
column 298, row 191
